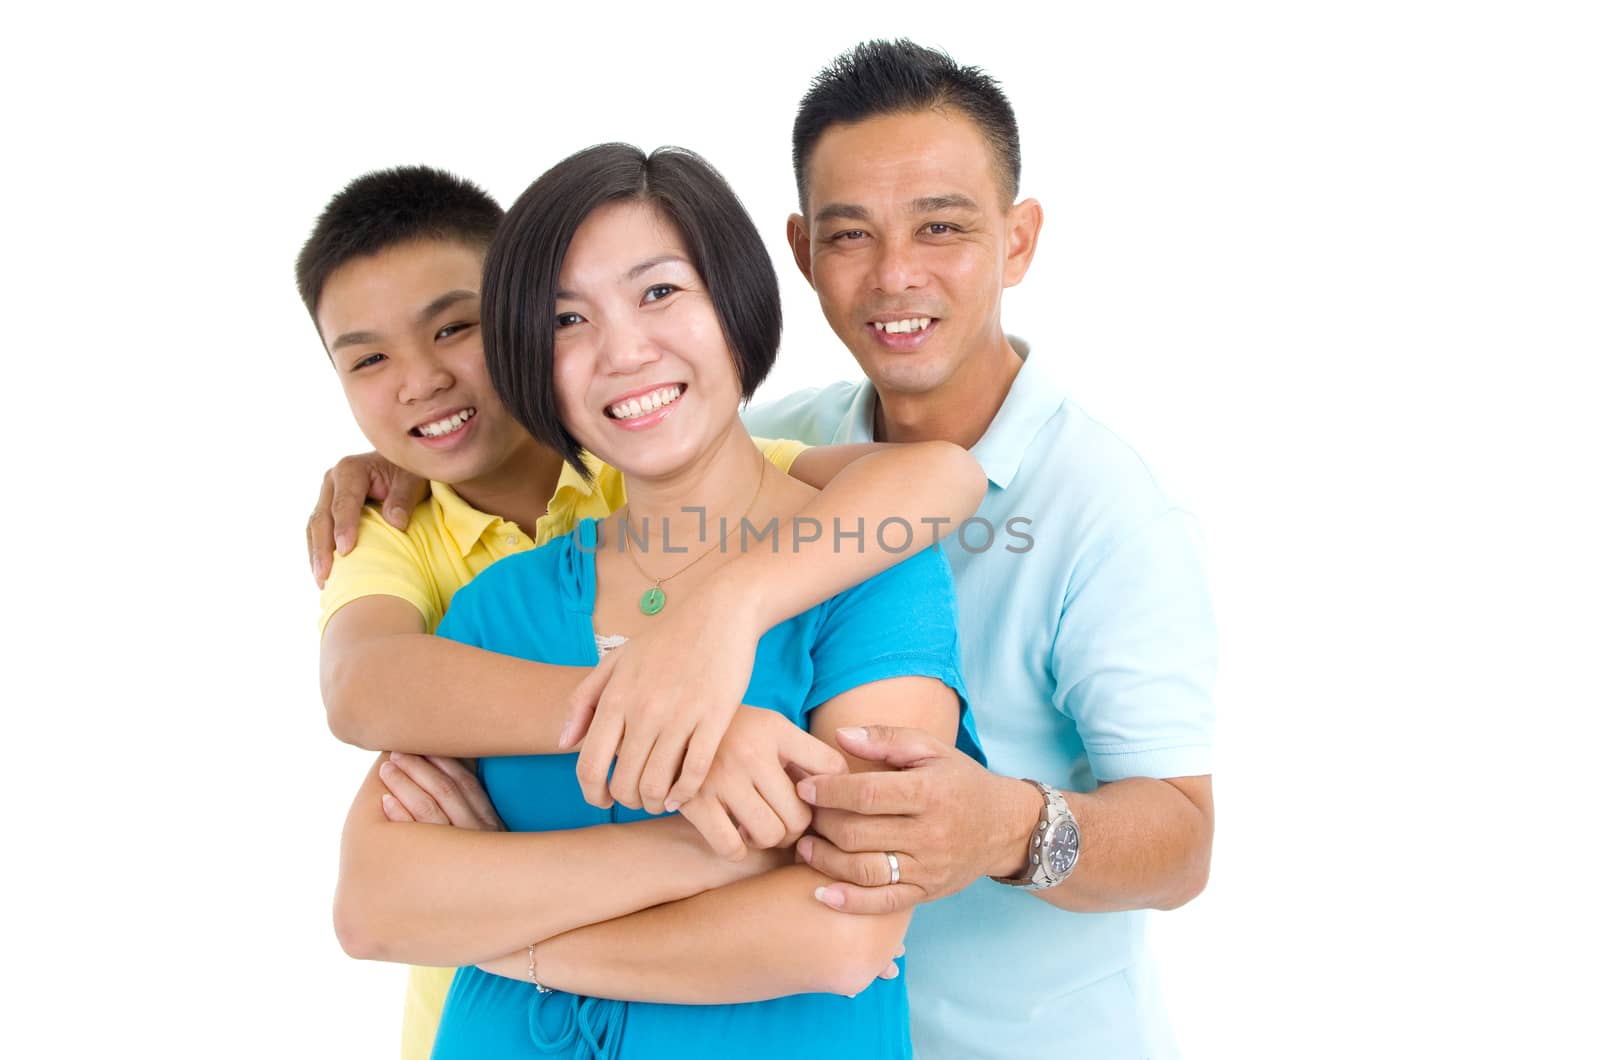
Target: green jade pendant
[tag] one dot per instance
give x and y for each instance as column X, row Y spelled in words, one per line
column 652, row 601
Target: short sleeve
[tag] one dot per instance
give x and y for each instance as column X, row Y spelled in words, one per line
column 901, row 623
column 782, row 452
column 1135, row 656
column 384, row 562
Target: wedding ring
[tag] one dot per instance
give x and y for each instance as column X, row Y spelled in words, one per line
column 894, row 866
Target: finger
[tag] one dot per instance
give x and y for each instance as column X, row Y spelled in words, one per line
column 856, row 833
column 760, row 823
column 867, row 869
column 441, row 787
column 319, row 532
column 710, row 818
column 583, row 701
column 798, row 747
column 890, row 970
column 774, row 785
column 471, row 789
column 868, row 793
column 848, row 898
column 662, row 767
column 351, row 479
column 891, row 744
column 594, row 761
column 394, row 811
column 632, row 753
column 404, row 492
column 418, row 803
column 696, row 765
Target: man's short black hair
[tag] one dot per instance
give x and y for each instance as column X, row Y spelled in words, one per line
column 521, row 272
column 882, row 77
column 388, row 207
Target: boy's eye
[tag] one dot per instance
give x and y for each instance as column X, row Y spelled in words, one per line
column 452, row 329
column 566, row 320
column 367, row 361
column 658, row 291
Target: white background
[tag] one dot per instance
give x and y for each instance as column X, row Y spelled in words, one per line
column 1331, row 268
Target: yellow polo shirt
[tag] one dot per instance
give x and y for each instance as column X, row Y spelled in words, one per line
column 446, row 544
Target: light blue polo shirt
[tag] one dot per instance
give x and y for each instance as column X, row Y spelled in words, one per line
column 1089, row 651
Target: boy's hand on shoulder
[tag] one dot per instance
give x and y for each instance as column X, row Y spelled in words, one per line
column 748, row 799
column 345, row 488
column 434, row 789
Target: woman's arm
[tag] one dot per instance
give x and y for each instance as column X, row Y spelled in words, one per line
column 760, row 938
column 431, row 894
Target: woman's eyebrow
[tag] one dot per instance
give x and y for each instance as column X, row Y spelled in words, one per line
column 650, row 263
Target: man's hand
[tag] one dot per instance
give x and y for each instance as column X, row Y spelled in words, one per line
column 345, row 488
column 661, row 703
column 936, row 813
column 749, row 795
column 436, row 790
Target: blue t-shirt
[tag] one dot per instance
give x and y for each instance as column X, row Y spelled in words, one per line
column 539, row 605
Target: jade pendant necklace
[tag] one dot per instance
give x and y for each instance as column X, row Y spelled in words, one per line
column 655, row 598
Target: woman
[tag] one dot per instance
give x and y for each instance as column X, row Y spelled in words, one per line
column 629, row 307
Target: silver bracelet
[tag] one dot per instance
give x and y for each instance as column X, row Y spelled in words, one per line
column 533, row 973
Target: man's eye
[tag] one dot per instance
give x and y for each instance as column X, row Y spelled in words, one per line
column 940, row 228
column 367, row 361
column 566, row 320
column 849, row 233
column 452, row 329
column 658, row 291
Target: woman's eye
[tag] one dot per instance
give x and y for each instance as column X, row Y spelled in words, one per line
column 367, row 361
column 658, row 292
column 566, row 320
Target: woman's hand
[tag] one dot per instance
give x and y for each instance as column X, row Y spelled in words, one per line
column 749, row 795
column 436, row 790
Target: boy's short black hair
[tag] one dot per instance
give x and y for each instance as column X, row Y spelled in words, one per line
column 388, row 207
column 521, row 272
column 882, row 77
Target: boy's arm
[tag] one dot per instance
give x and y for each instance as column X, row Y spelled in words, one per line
column 887, row 501
column 387, row 683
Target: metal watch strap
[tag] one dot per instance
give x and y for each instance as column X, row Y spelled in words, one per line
column 1036, row 874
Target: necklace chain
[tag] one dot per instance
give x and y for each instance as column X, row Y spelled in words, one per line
column 654, row 599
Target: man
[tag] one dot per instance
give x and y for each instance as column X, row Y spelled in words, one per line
column 1089, row 656
column 391, row 276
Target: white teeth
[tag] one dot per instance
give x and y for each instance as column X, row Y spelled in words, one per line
column 633, row 408
column 446, row 425
column 901, row 327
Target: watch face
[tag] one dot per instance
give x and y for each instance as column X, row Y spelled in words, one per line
column 1061, row 849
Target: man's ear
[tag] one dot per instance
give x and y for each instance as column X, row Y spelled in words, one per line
column 1023, row 222
column 799, row 236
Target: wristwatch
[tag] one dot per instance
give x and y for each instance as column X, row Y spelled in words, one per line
column 1053, row 850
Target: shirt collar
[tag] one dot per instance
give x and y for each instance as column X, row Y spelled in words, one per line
column 465, row 524
column 1033, row 398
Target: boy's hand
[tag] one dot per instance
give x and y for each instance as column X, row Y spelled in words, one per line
column 748, row 796
column 345, row 488
column 436, row 790
column 660, row 704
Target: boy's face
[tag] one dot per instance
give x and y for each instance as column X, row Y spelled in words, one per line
column 402, row 329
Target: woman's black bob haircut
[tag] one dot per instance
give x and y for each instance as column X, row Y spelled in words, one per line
column 524, row 262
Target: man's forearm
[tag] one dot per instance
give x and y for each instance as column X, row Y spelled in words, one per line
column 1145, row 843
column 760, row 938
column 425, row 694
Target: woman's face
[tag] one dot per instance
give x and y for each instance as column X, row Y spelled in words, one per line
column 644, row 378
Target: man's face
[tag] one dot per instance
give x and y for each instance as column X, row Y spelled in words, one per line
column 908, row 245
column 402, row 329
